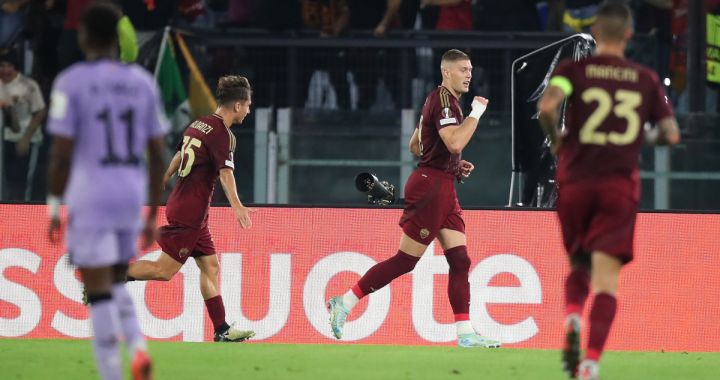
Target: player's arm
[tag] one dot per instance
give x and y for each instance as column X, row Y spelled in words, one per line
column 456, row 137
column 242, row 213
column 666, row 133
column 61, row 153
column 156, row 147
column 549, row 113
column 415, row 142
column 172, row 169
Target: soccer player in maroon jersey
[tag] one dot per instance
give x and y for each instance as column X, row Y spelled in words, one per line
column 205, row 153
column 610, row 99
column 431, row 205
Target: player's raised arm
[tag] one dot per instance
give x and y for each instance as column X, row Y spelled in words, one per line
column 456, row 137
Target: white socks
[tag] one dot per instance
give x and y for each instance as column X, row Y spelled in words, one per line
column 464, row 327
column 350, row 300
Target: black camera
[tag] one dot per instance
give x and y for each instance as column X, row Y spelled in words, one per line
column 381, row 193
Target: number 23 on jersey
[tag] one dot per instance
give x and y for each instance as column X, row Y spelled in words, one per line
column 625, row 107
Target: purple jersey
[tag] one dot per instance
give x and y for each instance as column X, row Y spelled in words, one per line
column 110, row 111
column 441, row 109
column 609, row 101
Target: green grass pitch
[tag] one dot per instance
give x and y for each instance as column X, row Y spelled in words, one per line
column 72, row 359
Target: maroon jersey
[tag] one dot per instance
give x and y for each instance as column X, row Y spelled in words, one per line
column 610, row 101
column 207, row 146
column 441, row 109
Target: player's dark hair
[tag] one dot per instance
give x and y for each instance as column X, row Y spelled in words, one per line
column 100, row 20
column 614, row 18
column 453, row 55
column 233, row 88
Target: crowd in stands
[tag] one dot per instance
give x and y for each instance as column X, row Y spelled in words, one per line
column 38, row 38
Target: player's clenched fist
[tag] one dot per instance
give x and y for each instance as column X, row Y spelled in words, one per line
column 479, row 105
column 466, row 167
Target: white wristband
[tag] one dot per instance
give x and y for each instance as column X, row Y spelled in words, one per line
column 478, row 109
column 53, row 203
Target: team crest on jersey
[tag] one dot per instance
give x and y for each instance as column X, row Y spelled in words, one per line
column 183, row 252
column 424, row 232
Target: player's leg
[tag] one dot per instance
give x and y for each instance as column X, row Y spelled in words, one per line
column 374, row 279
column 577, row 289
column 129, row 325
column 454, row 244
column 141, row 366
column 605, row 276
column 176, row 242
column 575, row 209
column 163, row 269
column 210, row 289
column 94, row 252
column 103, row 314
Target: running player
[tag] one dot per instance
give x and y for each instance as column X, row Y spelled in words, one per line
column 432, row 209
column 609, row 101
column 104, row 116
column 204, row 154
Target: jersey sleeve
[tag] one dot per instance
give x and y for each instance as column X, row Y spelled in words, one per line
column 443, row 112
column 221, row 150
column 62, row 120
column 660, row 107
column 562, row 77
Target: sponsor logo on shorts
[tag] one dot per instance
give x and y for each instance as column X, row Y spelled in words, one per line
column 424, row 233
column 183, row 252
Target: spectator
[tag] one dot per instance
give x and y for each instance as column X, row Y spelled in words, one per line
column 375, row 71
column 454, row 14
column 506, row 15
column 68, row 49
column 23, row 110
column 377, row 15
column 579, row 15
column 12, row 16
column 324, row 69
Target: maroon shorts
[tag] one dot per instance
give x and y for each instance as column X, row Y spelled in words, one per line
column 181, row 242
column 599, row 216
column 431, row 204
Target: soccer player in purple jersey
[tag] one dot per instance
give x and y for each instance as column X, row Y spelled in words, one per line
column 204, row 155
column 431, row 205
column 610, row 99
column 104, row 116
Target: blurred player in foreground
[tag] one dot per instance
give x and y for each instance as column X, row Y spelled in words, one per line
column 609, row 101
column 431, row 205
column 205, row 152
column 104, row 117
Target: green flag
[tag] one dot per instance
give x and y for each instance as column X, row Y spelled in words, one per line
column 168, row 77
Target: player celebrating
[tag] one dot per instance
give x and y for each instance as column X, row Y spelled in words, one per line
column 104, row 115
column 431, row 205
column 205, row 152
column 609, row 101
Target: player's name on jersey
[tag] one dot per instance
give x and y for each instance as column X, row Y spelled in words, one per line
column 202, row 127
column 115, row 88
column 622, row 74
